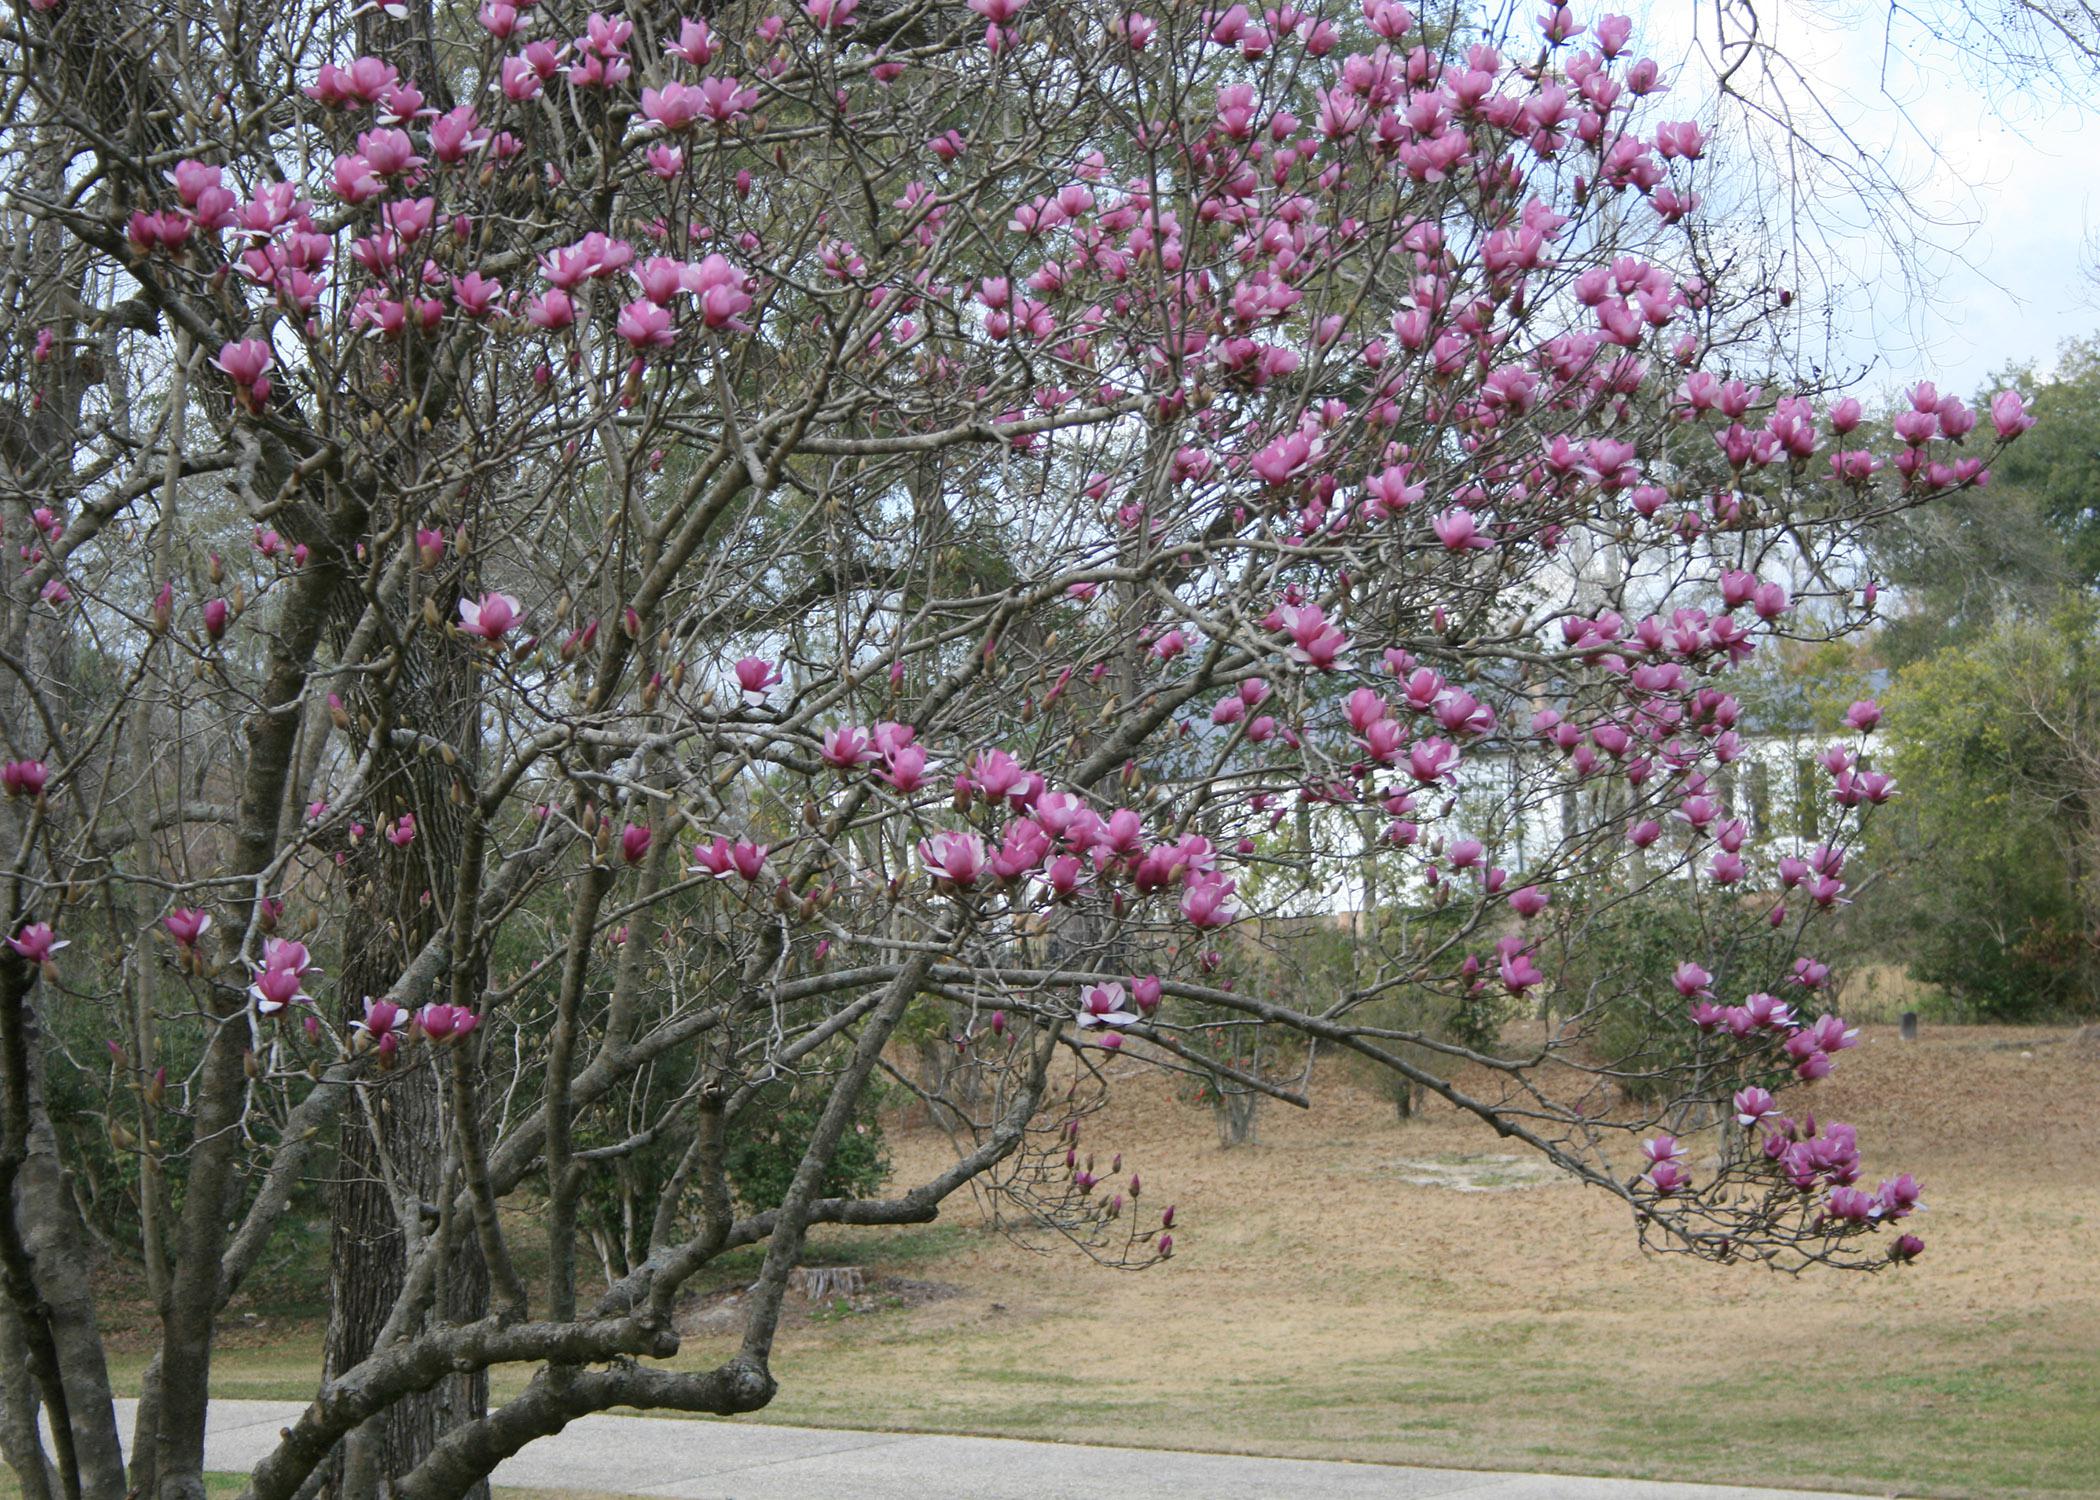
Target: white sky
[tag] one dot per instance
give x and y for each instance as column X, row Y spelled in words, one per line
column 2020, row 174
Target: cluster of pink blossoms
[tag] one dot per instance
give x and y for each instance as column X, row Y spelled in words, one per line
column 1064, row 844
column 1807, row 1159
column 386, row 1025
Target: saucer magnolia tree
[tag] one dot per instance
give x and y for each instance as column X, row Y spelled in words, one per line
column 572, row 570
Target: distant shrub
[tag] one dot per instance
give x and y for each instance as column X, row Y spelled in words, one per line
column 775, row 1131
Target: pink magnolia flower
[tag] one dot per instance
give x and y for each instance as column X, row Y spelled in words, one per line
column 1459, row 531
column 492, row 617
column 457, row 134
column 551, row 311
column 830, row 15
column 1314, row 641
column 245, row 361
column 521, row 80
column 1124, row 831
column 1753, row 1106
column 995, row 773
column 1863, row 716
column 695, row 43
column 187, row 925
column 476, row 294
column 748, row 859
column 1830, row 1034
column 24, row 778
column 634, row 842
column 2009, row 415
column 36, row 942
column 1517, row 971
column 382, row 1018
column 1663, row 1148
column 846, row 748
column 1668, row 1177
column 1024, row 849
column 441, row 1022
column 724, row 101
column 905, row 768
column 1432, row 760
column 1850, row 1205
column 755, row 675
column 957, row 858
column 1768, row 1012
column 1102, row 1005
column 284, row 953
column 1063, row 876
column 388, row 152
column 1459, row 713
column 1810, row 1061
column 1208, row 903
column 675, row 106
column 274, row 989
column 661, row 278
column 723, row 290
column 646, row 326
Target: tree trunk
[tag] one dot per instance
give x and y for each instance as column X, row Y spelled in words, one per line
column 392, row 1168
column 368, row 1264
column 391, row 1165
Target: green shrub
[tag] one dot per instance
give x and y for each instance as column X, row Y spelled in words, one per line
column 774, row 1130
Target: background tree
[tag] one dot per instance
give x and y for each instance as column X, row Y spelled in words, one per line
column 1988, row 629
column 1995, row 840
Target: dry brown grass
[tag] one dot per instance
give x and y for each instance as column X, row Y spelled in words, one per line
column 1320, row 1304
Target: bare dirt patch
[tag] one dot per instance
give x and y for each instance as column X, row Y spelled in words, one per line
column 1485, row 1172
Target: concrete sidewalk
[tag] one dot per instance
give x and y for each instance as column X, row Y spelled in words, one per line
column 731, row 1460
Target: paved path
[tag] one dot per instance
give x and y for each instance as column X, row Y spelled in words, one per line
column 715, row 1460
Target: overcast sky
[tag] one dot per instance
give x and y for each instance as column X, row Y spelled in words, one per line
column 2022, row 175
